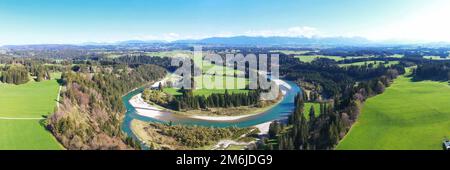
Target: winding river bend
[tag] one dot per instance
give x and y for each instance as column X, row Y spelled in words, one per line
column 283, row 109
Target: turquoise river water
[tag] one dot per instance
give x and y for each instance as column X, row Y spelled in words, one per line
column 281, row 111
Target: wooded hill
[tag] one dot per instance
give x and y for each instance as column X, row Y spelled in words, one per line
column 345, row 89
column 91, row 109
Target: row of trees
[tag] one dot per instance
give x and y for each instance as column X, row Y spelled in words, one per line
column 142, row 59
column 438, row 71
column 40, row 72
column 15, row 74
column 189, row 101
column 19, row 71
column 301, row 133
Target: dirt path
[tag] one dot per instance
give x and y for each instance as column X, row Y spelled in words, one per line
column 58, row 97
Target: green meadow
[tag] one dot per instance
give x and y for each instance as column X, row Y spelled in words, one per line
column 396, row 56
column 308, row 107
column 436, row 58
column 227, row 79
column 206, row 91
column 23, row 108
column 308, row 59
column 291, row 52
column 407, row 116
column 208, row 68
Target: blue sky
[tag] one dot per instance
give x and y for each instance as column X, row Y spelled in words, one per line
column 77, row 21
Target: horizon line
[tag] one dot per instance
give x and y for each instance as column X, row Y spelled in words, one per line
column 162, row 41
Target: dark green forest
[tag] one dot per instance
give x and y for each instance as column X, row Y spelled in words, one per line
column 188, row 101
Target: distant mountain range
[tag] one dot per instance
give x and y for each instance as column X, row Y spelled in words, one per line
column 247, row 40
column 252, row 41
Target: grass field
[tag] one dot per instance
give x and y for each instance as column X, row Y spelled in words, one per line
column 206, row 90
column 31, row 100
column 436, row 58
column 396, row 56
column 289, row 52
column 55, row 75
column 215, row 80
column 316, row 109
column 408, row 116
column 376, row 63
column 207, row 67
column 308, row 59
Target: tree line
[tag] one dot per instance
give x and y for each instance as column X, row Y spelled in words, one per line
column 189, row 101
column 164, row 62
column 437, row 71
column 40, row 72
column 300, row 133
column 20, row 71
column 15, row 74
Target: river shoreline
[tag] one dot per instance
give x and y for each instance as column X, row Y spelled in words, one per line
column 137, row 109
column 155, row 112
column 147, row 110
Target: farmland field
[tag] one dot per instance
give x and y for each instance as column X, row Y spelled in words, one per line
column 308, row 59
column 23, row 108
column 409, row 115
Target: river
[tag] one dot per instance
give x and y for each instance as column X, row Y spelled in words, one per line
column 279, row 112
